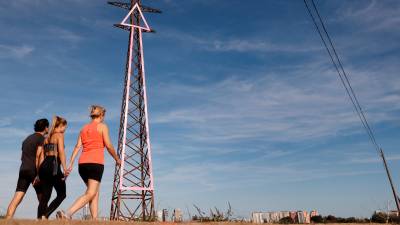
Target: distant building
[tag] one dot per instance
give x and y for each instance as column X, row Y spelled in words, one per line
column 393, row 213
column 256, row 217
column 313, row 213
column 164, row 215
column 302, row 217
column 160, row 215
column 308, row 218
column 286, row 214
column 177, row 216
column 86, row 213
column 293, row 215
column 274, row 217
column 389, row 213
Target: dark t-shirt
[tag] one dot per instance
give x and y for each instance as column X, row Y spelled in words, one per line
column 29, row 147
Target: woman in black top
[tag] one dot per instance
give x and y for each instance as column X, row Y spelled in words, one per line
column 50, row 174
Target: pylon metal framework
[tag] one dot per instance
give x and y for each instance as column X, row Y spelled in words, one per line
column 133, row 188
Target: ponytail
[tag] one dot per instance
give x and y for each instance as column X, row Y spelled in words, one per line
column 56, row 122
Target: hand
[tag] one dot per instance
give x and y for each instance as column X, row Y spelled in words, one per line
column 66, row 173
column 65, row 176
column 71, row 165
column 118, row 161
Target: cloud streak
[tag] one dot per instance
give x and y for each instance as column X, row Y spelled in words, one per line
column 274, row 109
column 235, row 44
column 15, row 52
column 376, row 15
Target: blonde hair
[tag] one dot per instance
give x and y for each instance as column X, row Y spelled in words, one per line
column 56, row 122
column 97, row 111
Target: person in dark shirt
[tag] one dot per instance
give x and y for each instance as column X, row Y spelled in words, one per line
column 28, row 172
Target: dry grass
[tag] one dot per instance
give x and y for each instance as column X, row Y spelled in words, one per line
column 78, row 222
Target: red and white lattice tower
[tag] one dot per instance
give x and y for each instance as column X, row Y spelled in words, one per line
column 133, row 189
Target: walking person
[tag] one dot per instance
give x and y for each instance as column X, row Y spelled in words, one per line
column 93, row 137
column 31, row 147
column 52, row 158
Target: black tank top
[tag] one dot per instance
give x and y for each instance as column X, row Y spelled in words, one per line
column 54, row 160
column 50, row 147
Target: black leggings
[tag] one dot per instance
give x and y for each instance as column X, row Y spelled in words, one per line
column 48, row 180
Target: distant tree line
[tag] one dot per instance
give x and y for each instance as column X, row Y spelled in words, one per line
column 381, row 217
column 378, row 217
column 334, row 219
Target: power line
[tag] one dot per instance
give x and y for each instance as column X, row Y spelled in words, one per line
column 322, row 31
column 326, row 39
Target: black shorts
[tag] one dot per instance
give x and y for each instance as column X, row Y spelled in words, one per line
column 92, row 171
column 26, row 178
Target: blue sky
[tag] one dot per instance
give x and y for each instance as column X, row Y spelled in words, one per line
column 244, row 103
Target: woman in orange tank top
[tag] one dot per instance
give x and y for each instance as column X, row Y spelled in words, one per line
column 92, row 139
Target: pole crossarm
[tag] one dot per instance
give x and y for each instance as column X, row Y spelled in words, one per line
column 127, row 28
column 128, row 6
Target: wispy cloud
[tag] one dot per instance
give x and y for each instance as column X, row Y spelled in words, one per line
column 8, row 129
column 5, row 121
column 15, row 51
column 294, row 109
column 235, row 44
column 43, row 108
column 206, row 175
column 11, row 132
column 376, row 15
column 59, row 33
column 242, row 45
column 376, row 159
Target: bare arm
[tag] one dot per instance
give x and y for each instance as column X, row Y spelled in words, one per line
column 108, row 144
column 39, row 158
column 75, row 152
column 61, row 151
column 38, row 161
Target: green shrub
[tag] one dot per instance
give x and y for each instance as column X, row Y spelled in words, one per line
column 286, row 220
column 341, row 220
column 350, row 220
column 379, row 217
column 366, row 220
column 394, row 219
column 331, row 219
column 317, row 219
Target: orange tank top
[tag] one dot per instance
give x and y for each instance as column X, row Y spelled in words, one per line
column 93, row 145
